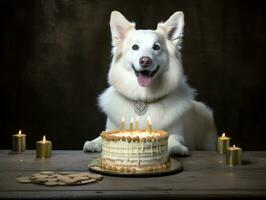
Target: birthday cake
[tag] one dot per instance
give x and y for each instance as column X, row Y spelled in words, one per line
column 135, row 150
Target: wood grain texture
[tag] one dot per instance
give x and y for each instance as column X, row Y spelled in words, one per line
column 205, row 175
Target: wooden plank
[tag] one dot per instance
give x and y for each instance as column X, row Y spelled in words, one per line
column 61, row 160
column 77, row 160
column 165, row 195
column 184, row 181
column 205, row 175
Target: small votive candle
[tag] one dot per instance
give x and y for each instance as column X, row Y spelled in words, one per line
column 19, row 142
column 234, row 156
column 43, row 148
column 149, row 124
column 223, row 143
column 137, row 124
column 122, row 126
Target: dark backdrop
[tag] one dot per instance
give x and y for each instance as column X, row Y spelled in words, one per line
column 55, row 58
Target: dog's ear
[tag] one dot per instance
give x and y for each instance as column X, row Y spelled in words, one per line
column 173, row 27
column 120, row 26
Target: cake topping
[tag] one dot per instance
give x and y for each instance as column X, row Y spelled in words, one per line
column 141, row 135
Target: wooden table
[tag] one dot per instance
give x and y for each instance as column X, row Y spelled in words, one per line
column 205, row 176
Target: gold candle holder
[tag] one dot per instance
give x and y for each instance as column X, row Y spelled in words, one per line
column 19, row 142
column 122, row 126
column 137, row 124
column 131, row 124
column 234, row 156
column 149, row 126
column 223, row 143
column 43, row 148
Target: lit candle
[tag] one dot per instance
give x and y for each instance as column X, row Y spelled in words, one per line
column 149, row 124
column 43, row 148
column 131, row 124
column 234, row 156
column 223, row 143
column 19, row 142
column 122, row 126
column 137, row 124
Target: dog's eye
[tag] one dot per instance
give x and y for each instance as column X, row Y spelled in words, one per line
column 156, row 47
column 135, row 47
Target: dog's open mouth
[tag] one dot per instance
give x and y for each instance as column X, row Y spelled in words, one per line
column 145, row 76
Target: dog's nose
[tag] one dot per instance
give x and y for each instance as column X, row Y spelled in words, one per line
column 145, row 61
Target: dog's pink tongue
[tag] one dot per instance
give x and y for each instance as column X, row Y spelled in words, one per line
column 144, row 81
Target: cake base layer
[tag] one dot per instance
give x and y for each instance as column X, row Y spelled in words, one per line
column 112, row 165
column 95, row 165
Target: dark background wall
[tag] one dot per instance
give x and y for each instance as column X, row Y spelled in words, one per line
column 55, row 57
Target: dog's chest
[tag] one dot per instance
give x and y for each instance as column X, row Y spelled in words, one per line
column 162, row 113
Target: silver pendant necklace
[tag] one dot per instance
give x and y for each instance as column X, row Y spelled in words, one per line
column 140, row 108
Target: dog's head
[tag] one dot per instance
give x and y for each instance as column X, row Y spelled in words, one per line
column 146, row 63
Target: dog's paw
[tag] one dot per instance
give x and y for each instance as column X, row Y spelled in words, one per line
column 92, row 146
column 178, row 150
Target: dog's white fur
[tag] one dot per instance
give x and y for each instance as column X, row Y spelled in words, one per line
column 189, row 123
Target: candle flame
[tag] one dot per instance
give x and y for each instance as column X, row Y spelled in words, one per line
column 137, row 123
column 131, row 123
column 149, row 119
column 223, row 135
column 122, row 126
column 234, row 145
column 19, row 132
column 44, row 138
column 149, row 124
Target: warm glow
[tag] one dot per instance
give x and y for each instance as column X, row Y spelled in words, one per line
column 44, row 138
column 137, row 123
column 19, row 132
column 234, row 146
column 122, row 123
column 149, row 120
column 223, row 135
column 149, row 123
column 131, row 123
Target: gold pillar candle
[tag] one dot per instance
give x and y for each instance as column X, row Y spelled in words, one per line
column 149, row 127
column 122, row 126
column 43, row 148
column 223, row 143
column 19, row 142
column 137, row 124
column 234, row 156
column 131, row 124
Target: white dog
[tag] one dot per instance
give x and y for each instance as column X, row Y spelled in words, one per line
column 146, row 78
